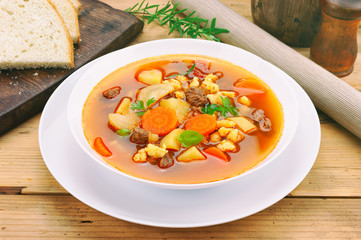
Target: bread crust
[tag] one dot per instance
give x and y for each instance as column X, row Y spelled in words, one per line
column 70, row 41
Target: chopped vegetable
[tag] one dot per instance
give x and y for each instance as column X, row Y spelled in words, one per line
column 100, row 147
column 225, row 123
column 123, row 106
column 249, row 86
column 150, row 77
column 244, row 124
column 118, row 121
column 123, row 132
column 203, row 123
column 170, row 141
column 190, row 138
column 139, row 105
column 215, row 137
column 156, row 91
column 180, row 106
column 217, row 153
column 160, row 120
column 191, row 154
column 152, row 138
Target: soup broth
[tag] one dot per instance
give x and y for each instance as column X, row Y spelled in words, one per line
column 249, row 96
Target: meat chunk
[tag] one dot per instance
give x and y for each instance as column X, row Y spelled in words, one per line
column 265, row 125
column 139, row 136
column 166, row 161
column 194, row 112
column 196, row 96
column 111, row 92
column 257, row 115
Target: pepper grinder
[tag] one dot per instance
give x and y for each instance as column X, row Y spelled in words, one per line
column 335, row 45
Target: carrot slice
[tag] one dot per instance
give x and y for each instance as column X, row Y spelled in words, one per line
column 249, row 86
column 100, row 147
column 217, row 153
column 160, row 120
column 203, row 123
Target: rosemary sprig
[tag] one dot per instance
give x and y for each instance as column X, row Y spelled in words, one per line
column 189, row 26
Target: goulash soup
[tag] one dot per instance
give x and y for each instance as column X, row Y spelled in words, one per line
column 182, row 119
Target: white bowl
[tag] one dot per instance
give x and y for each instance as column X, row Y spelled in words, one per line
column 270, row 74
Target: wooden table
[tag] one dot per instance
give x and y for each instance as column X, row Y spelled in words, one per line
column 326, row 205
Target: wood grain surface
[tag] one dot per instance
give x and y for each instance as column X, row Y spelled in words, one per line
column 326, row 205
column 25, row 92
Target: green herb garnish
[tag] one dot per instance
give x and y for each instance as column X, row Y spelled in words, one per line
column 189, row 138
column 224, row 109
column 123, row 132
column 189, row 26
column 189, row 71
column 139, row 105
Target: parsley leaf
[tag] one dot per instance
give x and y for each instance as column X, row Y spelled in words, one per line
column 139, row 105
column 123, row 132
column 150, row 101
column 210, row 109
column 223, row 109
column 189, row 138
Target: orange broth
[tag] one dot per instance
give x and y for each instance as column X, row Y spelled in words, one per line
column 252, row 150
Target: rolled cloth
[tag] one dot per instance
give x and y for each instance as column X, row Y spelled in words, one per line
column 328, row 93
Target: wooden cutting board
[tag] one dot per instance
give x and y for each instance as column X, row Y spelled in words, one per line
column 23, row 93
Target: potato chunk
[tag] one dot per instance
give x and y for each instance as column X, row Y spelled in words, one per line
column 244, row 124
column 170, row 141
column 215, row 98
column 150, row 77
column 215, row 137
column 123, row 106
column 156, row 91
column 118, row 121
column 191, row 154
column 180, row 106
column 225, row 123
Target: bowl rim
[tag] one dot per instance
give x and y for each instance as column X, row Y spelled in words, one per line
column 80, row 138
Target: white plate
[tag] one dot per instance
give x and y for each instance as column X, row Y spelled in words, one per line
column 122, row 198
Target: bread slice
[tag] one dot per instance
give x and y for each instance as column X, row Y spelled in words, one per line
column 77, row 5
column 70, row 16
column 33, row 35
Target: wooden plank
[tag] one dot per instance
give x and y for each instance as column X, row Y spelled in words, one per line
column 45, row 217
column 24, row 92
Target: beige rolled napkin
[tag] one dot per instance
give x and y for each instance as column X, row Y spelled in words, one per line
column 328, row 93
